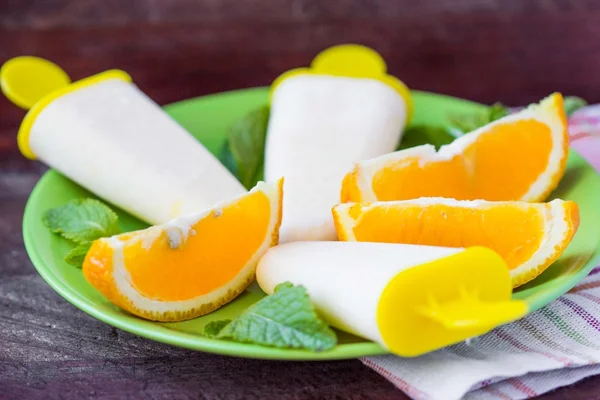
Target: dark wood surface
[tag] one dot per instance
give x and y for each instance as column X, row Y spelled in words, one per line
column 514, row 51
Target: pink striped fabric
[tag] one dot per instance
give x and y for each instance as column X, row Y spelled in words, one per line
column 550, row 348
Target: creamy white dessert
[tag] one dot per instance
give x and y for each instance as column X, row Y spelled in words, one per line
column 322, row 121
column 112, row 139
column 410, row 299
column 319, row 127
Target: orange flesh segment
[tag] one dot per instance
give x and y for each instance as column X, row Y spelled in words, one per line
column 213, row 254
column 517, row 232
column 484, row 170
column 102, row 253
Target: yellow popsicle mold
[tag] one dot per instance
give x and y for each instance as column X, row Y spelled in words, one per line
column 353, row 61
column 446, row 301
column 33, row 83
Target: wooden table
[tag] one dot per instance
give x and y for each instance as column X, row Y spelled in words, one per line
column 514, row 51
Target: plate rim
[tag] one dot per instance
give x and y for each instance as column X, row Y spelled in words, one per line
column 159, row 333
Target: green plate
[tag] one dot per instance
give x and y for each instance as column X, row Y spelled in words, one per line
column 208, row 119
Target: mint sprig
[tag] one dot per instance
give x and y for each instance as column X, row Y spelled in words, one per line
column 213, row 328
column 286, row 319
column 574, row 103
column 81, row 221
column 425, row 134
column 468, row 122
column 76, row 256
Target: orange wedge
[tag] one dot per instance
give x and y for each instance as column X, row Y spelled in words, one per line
column 191, row 265
column 519, row 157
column 529, row 236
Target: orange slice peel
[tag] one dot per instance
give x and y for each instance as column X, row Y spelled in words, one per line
column 519, row 157
column 191, row 265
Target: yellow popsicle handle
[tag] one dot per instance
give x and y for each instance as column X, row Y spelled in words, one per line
column 33, row 83
column 354, row 61
column 446, row 301
column 469, row 312
column 26, row 80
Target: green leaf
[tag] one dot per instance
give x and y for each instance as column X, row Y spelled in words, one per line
column 465, row 123
column 246, row 141
column 76, row 256
column 82, row 220
column 227, row 159
column 286, row 319
column 497, row 111
column 425, row 134
column 213, row 328
column 573, row 103
column 284, row 285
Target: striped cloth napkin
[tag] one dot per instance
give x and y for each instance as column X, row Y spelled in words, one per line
column 555, row 346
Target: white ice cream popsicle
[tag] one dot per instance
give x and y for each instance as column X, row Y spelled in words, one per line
column 410, row 299
column 105, row 134
column 323, row 119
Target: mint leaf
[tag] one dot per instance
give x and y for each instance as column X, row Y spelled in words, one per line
column 468, row 122
column 227, row 159
column 286, row 319
column 213, row 328
column 573, row 103
column 425, row 134
column 286, row 285
column 76, row 256
column 497, row 111
column 246, row 142
column 82, row 220
column 465, row 123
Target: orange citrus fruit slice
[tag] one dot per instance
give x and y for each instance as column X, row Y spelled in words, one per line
column 191, row 265
column 519, row 157
column 529, row 236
